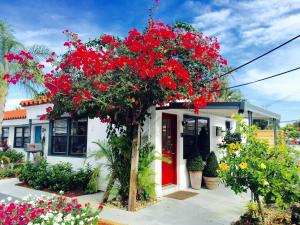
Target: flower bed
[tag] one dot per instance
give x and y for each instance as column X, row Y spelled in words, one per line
column 53, row 210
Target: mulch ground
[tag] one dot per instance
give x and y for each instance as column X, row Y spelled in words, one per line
column 69, row 194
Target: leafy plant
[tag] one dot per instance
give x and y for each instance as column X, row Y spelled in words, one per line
column 57, row 177
column 230, row 137
column 211, row 166
column 195, row 164
column 13, row 155
column 267, row 171
column 60, row 176
column 92, row 186
column 117, row 152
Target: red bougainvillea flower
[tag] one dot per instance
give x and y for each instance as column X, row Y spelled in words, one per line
column 160, row 65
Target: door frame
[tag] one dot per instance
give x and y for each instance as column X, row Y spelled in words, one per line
column 174, row 117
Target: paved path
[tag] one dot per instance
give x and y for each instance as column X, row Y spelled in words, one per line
column 217, row 207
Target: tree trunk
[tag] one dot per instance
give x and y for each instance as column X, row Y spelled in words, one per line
column 3, row 94
column 109, row 187
column 134, row 169
column 260, row 209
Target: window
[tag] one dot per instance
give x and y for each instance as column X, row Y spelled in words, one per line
column 4, row 136
column 228, row 125
column 69, row 137
column 196, row 139
column 22, row 137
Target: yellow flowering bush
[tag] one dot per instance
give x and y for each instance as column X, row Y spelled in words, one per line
column 271, row 172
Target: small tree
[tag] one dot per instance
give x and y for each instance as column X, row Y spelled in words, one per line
column 269, row 172
column 211, row 166
column 119, row 79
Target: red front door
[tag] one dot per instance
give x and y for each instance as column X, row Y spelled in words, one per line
column 169, row 149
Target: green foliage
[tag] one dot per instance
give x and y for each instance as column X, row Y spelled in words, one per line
column 195, row 164
column 267, row 171
column 211, row 166
column 81, row 178
column 8, row 173
column 35, row 174
column 13, row 155
column 146, row 181
column 58, row 177
column 118, row 154
column 92, row 186
column 230, row 137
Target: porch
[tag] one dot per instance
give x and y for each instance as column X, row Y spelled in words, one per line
column 179, row 132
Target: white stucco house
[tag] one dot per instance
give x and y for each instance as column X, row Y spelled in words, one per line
column 175, row 130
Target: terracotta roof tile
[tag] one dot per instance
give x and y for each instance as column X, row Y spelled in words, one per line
column 15, row 114
column 34, row 102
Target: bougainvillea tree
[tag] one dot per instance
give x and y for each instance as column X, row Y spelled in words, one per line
column 119, row 79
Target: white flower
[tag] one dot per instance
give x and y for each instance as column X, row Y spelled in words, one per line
column 9, row 199
column 61, row 192
column 81, row 223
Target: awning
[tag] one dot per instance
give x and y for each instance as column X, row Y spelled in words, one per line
column 226, row 109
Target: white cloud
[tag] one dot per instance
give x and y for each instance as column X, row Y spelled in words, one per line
column 12, row 104
column 245, row 30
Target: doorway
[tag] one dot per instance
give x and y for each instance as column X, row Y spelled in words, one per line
column 169, row 149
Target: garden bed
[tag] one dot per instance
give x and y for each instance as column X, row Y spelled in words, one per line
column 139, row 204
column 273, row 216
column 69, row 194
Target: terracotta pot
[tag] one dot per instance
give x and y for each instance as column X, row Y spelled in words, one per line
column 211, row 182
column 196, row 179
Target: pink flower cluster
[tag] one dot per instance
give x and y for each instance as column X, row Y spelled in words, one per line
column 47, row 210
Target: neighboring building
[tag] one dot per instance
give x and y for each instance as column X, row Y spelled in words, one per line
column 175, row 130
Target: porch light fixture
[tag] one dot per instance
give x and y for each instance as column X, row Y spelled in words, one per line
column 218, row 131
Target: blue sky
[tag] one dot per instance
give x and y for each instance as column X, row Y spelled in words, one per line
column 245, row 29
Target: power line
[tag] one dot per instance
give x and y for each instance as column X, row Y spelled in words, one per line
column 265, row 78
column 289, row 121
column 258, row 57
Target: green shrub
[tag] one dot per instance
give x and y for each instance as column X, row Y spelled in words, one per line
column 92, row 185
column 7, row 173
column 230, row 137
column 35, row 174
column 60, row 176
column 81, row 178
column 146, row 175
column 211, row 166
column 118, row 154
column 195, row 164
column 13, row 155
column 57, row 177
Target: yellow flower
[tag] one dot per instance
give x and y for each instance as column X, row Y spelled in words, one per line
column 232, row 146
column 223, row 166
column 243, row 165
column 231, row 151
column 263, row 166
column 265, row 183
column 299, row 161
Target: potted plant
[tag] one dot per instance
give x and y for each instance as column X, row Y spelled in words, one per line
column 210, row 174
column 195, row 167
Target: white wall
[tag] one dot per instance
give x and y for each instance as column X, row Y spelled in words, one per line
column 182, row 173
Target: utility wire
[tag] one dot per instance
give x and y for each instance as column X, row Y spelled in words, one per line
column 258, row 57
column 265, row 78
column 289, row 121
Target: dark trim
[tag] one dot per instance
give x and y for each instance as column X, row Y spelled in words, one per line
column 69, row 136
column 196, row 129
column 23, row 137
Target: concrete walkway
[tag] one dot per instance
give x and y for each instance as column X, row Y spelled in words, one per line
column 215, row 207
